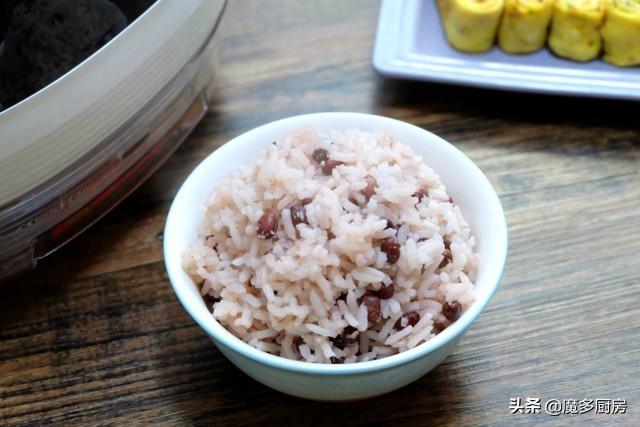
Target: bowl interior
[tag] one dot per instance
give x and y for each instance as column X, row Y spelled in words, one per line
column 465, row 183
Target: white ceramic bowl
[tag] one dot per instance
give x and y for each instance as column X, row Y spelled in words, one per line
column 466, row 184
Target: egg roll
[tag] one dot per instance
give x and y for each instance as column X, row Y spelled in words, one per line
column 621, row 32
column 575, row 29
column 471, row 25
column 524, row 25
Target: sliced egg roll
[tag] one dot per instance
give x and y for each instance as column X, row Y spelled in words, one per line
column 524, row 25
column 470, row 25
column 575, row 29
column 621, row 32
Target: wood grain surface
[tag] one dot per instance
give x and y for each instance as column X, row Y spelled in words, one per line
column 95, row 335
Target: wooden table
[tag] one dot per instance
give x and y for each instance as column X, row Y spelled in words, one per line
column 96, row 336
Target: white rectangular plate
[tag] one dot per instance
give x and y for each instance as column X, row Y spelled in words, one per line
column 410, row 43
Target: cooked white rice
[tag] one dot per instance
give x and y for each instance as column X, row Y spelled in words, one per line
column 311, row 291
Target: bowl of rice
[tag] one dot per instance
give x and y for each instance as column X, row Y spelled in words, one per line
column 335, row 256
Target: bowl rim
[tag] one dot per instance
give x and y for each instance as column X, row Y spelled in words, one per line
column 180, row 280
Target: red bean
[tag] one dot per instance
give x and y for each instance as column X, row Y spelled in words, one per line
column 446, row 258
column 391, row 248
column 372, row 303
column 370, row 189
column 345, row 338
column 447, row 243
column 329, row 165
column 452, row 310
column 420, row 194
column 298, row 215
column 438, row 327
column 320, row 155
column 267, row 225
column 410, row 318
column 386, row 291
